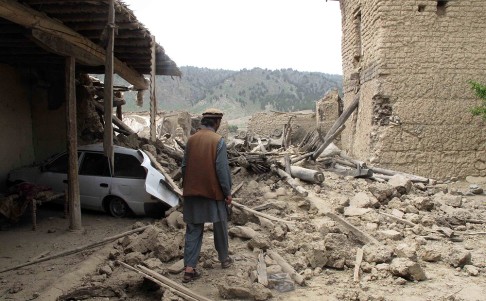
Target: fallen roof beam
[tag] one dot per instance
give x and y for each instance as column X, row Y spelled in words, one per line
column 29, row 18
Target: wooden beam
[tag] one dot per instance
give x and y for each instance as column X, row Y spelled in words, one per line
column 72, row 176
column 30, row 18
column 57, row 45
column 108, row 97
column 153, row 99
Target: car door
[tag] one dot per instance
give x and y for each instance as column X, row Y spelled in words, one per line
column 54, row 173
column 94, row 180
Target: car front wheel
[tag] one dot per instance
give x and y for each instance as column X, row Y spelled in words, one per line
column 117, row 207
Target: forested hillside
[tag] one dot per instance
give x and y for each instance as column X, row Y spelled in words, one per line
column 239, row 93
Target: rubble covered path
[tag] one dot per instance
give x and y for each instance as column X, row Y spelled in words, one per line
column 430, row 244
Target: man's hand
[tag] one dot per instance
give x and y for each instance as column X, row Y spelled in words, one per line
column 228, row 199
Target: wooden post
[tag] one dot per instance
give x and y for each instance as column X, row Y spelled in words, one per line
column 108, row 97
column 72, row 145
column 153, row 99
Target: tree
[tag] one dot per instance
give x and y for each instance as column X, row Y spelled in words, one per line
column 480, row 91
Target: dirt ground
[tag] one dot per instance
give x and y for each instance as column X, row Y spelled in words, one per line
column 47, row 280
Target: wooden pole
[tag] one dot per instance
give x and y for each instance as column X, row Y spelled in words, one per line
column 108, row 97
column 291, row 181
column 286, row 267
column 306, row 174
column 153, row 99
column 115, row 120
column 72, row 145
column 172, row 289
column 256, row 213
column 173, row 284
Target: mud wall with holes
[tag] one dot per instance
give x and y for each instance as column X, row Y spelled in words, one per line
column 409, row 62
column 265, row 124
column 15, row 123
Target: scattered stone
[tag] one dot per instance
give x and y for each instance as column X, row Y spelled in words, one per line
column 377, row 254
column 471, row 270
column 459, row 258
column 175, row 220
column 154, row 264
column 390, row 234
column 354, row 211
column 177, row 267
column 168, row 251
column 406, row 250
column 400, row 281
column 430, row 255
column 259, row 241
column 242, row 232
column 362, row 200
column 238, row 288
column 397, row 213
column 279, row 232
column 144, row 242
column 383, row 192
column 317, row 255
column 407, row 269
column 401, row 183
column 423, row 203
column 475, row 189
column 134, row 258
column 105, row 269
column 114, row 254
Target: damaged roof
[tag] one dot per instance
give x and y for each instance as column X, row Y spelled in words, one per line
column 27, row 26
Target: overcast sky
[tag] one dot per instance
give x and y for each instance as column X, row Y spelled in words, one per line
column 304, row 35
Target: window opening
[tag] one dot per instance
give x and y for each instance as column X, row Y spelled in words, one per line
column 441, row 7
column 421, row 8
column 359, row 49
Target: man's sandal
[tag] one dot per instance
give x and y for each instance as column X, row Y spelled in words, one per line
column 227, row 263
column 190, row 276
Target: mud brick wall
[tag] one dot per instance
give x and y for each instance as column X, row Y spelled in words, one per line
column 410, row 62
column 265, row 123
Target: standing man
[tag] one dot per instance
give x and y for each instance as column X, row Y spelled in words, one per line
column 207, row 192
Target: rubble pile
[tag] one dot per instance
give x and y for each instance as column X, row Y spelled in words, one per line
column 352, row 231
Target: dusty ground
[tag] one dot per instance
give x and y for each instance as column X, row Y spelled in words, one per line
column 444, row 281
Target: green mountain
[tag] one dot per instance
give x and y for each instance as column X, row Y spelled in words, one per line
column 237, row 93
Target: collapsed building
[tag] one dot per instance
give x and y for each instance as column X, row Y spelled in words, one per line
column 409, row 63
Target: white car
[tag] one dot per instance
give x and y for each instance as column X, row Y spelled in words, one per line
column 135, row 187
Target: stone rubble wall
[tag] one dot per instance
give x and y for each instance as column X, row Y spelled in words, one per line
column 328, row 110
column 412, row 78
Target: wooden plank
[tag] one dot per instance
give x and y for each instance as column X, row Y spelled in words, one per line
column 172, row 284
column 397, row 219
column 168, row 178
column 114, row 119
column 357, row 264
column 30, row 18
column 72, row 145
column 362, row 236
column 267, row 216
column 262, row 270
column 162, row 284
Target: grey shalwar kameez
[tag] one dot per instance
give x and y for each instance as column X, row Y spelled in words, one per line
column 200, row 210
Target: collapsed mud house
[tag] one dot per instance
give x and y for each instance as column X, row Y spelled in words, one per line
column 409, row 63
column 46, row 46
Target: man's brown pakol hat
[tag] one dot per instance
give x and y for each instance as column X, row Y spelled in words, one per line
column 212, row 113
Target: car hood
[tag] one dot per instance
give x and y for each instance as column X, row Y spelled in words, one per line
column 156, row 185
